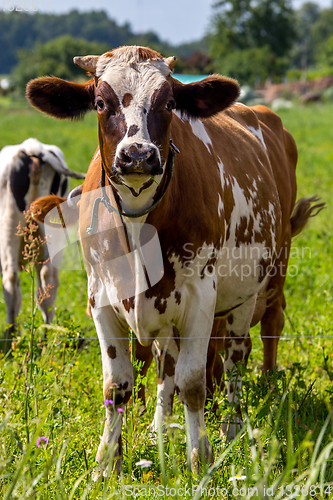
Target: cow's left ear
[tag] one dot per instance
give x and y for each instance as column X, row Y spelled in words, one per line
column 59, row 98
column 207, row 97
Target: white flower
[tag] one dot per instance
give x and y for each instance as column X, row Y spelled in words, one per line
column 256, row 433
column 237, row 477
column 144, row 463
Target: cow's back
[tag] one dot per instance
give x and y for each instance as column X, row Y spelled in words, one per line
column 282, row 152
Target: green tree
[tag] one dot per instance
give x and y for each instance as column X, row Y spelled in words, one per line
column 248, row 65
column 323, row 27
column 302, row 54
column 325, row 54
column 262, row 29
column 54, row 58
column 21, row 30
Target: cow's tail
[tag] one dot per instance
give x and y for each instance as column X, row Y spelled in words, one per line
column 304, row 209
column 64, row 216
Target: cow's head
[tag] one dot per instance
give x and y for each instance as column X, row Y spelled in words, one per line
column 134, row 95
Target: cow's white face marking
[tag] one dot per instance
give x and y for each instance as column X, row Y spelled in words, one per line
column 127, row 75
column 135, row 83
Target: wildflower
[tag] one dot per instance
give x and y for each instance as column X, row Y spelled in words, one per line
column 43, row 294
column 108, row 402
column 144, row 463
column 32, row 240
column 147, row 476
column 40, row 440
column 237, row 477
column 120, row 410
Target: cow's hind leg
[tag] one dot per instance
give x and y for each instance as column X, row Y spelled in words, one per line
column 215, row 367
column 237, row 350
column 144, row 355
column 117, row 385
column 272, row 325
column 272, row 322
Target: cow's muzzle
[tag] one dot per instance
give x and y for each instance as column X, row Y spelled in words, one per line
column 138, row 159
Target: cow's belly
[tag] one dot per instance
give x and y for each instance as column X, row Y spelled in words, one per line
column 240, row 274
column 237, row 273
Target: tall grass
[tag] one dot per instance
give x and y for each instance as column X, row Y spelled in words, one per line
column 54, row 389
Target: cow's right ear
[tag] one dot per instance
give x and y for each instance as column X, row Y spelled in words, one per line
column 59, row 98
column 205, row 98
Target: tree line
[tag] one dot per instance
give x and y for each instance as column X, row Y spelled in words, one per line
column 250, row 40
column 256, row 39
column 29, row 39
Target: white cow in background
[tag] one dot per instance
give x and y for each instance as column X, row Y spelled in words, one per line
column 27, row 171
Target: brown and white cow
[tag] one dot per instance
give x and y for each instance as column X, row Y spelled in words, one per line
column 223, row 222
column 27, row 172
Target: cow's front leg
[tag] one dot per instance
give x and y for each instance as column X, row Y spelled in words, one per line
column 237, row 350
column 117, row 384
column 165, row 351
column 190, row 373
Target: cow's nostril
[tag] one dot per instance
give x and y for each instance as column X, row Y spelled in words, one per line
column 125, row 158
column 152, row 157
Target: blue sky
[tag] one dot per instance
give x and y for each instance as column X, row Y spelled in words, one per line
column 176, row 21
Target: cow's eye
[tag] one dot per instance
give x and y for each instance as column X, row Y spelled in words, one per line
column 100, row 104
column 170, row 105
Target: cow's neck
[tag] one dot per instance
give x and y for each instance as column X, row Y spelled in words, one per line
column 129, row 204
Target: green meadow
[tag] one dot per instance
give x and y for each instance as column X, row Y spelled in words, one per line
column 54, row 389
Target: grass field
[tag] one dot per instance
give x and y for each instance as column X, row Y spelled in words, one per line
column 285, row 450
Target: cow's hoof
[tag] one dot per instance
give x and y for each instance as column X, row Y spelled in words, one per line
column 198, row 462
column 96, row 475
column 102, row 470
column 109, row 460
